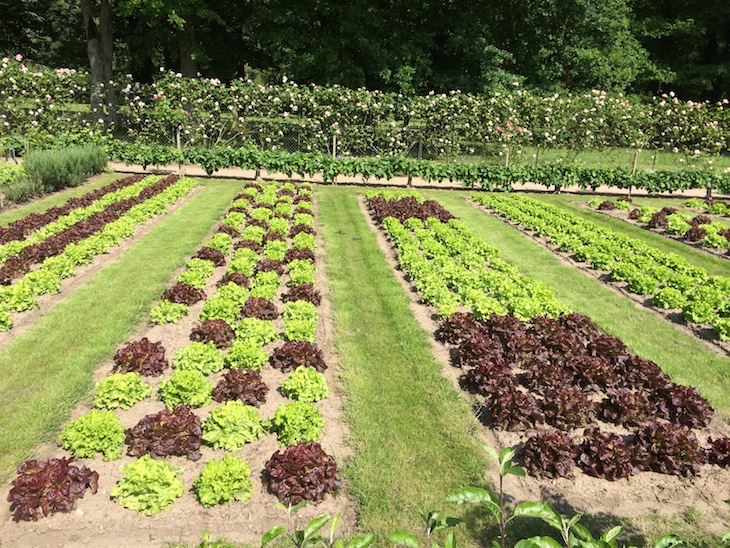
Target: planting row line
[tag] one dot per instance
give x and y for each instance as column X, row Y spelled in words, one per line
column 238, row 324
column 671, row 281
column 18, row 256
column 23, row 228
column 72, row 248
column 541, row 366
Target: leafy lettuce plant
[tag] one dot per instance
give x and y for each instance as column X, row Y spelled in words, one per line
column 217, row 332
column 148, row 486
column 223, row 480
column 246, row 354
column 183, row 294
column 232, row 425
column 93, row 433
column 143, row 356
column 245, row 385
column 301, row 272
column 49, row 486
column 305, row 384
column 276, row 249
column 198, row 356
column 220, row 241
column 300, row 330
column 300, row 310
column 168, row 312
column 297, row 421
column 121, row 390
column 220, row 308
column 177, row 432
column 293, row 354
column 260, row 331
column 189, row 387
column 549, row 454
column 301, row 472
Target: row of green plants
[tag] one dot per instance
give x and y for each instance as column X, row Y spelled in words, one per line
column 481, row 174
column 671, row 281
column 80, row 247
column 39, row 103
column 236, row 324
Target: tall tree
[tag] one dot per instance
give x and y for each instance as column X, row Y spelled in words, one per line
column 97, row 22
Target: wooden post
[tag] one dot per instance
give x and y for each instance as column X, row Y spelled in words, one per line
column 636, row 161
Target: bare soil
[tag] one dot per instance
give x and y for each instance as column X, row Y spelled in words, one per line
column 99, row 521
column 639, row 496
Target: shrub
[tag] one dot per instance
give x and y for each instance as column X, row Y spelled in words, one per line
column 148, row 486
column 223, row 480
column 121, row 390
column 95, row 432
column 55, row 169
column 301, row 472
column 232, row 425
column 177, row 432
column 49, row 486
column 297, row 421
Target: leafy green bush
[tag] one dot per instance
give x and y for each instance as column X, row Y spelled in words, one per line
column 260, row 331
column 198, row 356
column 232, row 292
column 303, row 219
column 669, row 298
column 167, row 312
column 232, row 425
column 300, row 310
column 304, row 240
column 297, row 421
column 188, row 387
column 276, row 249
column 252, row 232
column 148, row 486
column 121, row 390
column 221, row 241
column 305, row 384
column 195, row 278
column 235, row 219
column 60, row 168
column 714, row 241
column 223, row 480
column 279, row 225
column 41, row 282
column 217, row 308
column 95, row 432
column 246, row 354
column 300, row 330
column 301, row 272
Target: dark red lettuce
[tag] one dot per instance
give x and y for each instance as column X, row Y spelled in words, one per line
column 295, row 353
column 606, row 455
column 183, row 294
column 242, row 384
column 303, row 292
column 143, row 357
column 177, row 432
column 549, row 454
column 216, row 331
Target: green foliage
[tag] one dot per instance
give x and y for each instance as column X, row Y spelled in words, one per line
column 261, row 213
column 220, row 241
column 206, row 268
column 301, row 272
column 300, row 310
column 223, row 480
column 41, row 282
column 276, row 249
column 189, row 387
column 195, row 278
column 246, row 354
column 669, row 298
column 6, row 322
column 220, row 308
column 148, row 486
column 121, row 390
column 56, row 169
column 305, row 384
column 232, row 425
column 95, row 432
column 300, row 330
column 259, row 331
column 252, row 232
column 168, row 312
column 232, row 292
column 714, row 241
column 198, row 356
column 303, row 240
column 235, row 219
column 297, row 421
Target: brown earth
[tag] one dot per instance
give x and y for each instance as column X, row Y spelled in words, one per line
column 635, row 497
column 99, row 521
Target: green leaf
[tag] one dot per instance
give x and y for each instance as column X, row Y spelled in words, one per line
column 361, row 542
column 541, row 510
column 538, row 542
column 475, row 495
column 491, row 451
column 403, row 539
column 667, row 541
column 450, row 541
column 610, row 535
column 584, row 533
column 315, row 525
column 272, row 533
column 515, row 471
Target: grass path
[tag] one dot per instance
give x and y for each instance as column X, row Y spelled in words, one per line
column 412, row 431
column 48, row 369
column 683, row 357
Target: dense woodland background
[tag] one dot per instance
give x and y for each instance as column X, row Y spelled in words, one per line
column 636, row 46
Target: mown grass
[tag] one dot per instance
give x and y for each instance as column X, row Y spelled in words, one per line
column 682, row 356
column 714, row 265
column 412, row 432
column 47, row 370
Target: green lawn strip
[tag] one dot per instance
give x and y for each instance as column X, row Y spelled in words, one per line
column 714, row 265
column 57, row 198
column 47, row 370
column 413, row 434
column 681, row 356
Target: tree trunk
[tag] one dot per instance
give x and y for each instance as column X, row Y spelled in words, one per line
column 188, row 65
column 99, row 48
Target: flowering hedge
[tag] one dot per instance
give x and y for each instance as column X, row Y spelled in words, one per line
column 47, row 106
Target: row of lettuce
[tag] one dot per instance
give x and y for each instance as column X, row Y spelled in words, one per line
column 260, row 267
column 670, row 280
column 43, row 249
column 538, row 369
